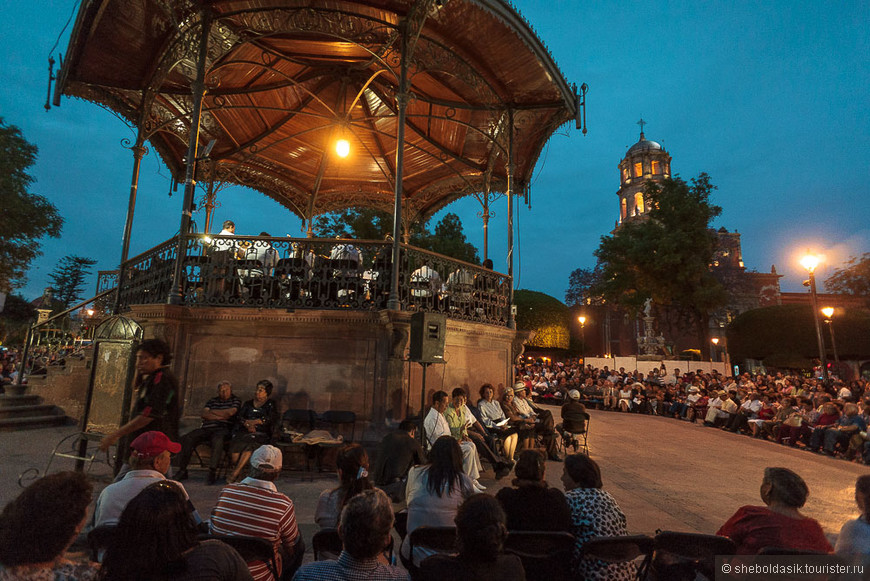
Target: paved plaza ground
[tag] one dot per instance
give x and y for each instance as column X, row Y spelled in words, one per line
column 665, row 474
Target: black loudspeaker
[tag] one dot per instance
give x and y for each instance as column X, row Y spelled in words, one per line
column 427, row 337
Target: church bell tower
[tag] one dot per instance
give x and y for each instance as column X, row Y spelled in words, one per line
column 643, row 162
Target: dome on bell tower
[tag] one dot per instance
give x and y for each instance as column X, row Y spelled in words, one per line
column 645, row 161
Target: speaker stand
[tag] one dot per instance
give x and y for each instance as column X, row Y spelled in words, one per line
column 425, row 366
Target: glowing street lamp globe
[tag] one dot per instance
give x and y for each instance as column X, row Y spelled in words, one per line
column 828, row 312
column 810, row 262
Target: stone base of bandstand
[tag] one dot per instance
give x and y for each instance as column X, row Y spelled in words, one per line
column 322, row 360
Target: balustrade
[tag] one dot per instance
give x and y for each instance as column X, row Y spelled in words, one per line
column 312, row 273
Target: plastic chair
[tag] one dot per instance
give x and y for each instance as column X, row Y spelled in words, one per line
column 251, row 549
column 438, row 539
column 686, row 555
column 622, row 549
column 546, row 555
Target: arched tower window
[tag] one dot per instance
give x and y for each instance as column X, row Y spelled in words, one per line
column 638, row 203
column 623, row 208
column 638, row 169
column 655, row 167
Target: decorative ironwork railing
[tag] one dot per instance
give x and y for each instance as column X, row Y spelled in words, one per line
column 312, row 273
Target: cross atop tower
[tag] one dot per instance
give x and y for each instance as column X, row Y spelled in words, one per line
column 641, row 123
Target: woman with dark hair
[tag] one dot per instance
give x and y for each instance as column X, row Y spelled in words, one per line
column 853, row 542
column 779, row 524
column 435, row 491
column 156, row 405
column 156, row 540
column 255, row 425
column 480, row 535
column 38, row 527
column 352, row 465
column 532, row 505
column 594, row 513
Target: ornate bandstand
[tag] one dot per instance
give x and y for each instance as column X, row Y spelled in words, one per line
column 431, row 100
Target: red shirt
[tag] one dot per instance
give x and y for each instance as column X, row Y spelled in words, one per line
column 754, row 527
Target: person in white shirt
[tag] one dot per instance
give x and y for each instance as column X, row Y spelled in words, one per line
column 150, row 457
column 435, row 426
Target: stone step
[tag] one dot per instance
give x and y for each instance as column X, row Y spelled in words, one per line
column 33, row 422
column 11, row 401
column 23, row 411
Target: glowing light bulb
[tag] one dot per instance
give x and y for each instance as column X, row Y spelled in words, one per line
column 810, row 262
column 342, row 148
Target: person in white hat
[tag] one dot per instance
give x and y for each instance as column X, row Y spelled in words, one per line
column 255, row 508
column 573, row 419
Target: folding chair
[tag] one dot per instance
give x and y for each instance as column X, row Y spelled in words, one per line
column 687, row 555
column 326, row 544
column 437, row 539
column 251, row 549
column 334, row 421
column 546, row 555
column 568, row 438
column 622, row 549
column 296, row 421
column 99, row 539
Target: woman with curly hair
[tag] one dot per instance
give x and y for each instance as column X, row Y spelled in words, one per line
column 480, row 534
column 156, row 540
column 352, row 464
column 39, row 526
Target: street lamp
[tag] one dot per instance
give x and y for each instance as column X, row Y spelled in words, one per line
column 829, row 321
column 810, row 262
column 582, row 320
column 715, row 341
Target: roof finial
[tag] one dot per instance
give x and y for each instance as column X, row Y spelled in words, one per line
column 641, row 123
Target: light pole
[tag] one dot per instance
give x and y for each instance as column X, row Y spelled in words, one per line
column 829, row 321
column 810, row 262
column 582, row 320
column 715, row 342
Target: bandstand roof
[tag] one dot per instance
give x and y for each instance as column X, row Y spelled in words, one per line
column 286, row 78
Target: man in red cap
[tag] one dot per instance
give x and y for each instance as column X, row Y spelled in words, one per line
column 150, row 455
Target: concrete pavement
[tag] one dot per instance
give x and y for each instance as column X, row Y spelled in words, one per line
column 664, row 473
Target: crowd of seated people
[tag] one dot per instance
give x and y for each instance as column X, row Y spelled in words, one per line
column 801, row 412
column 156, row 535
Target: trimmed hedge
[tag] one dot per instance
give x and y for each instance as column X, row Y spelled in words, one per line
column 547, row 316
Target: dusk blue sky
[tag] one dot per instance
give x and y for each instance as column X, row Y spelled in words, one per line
column 769, row 98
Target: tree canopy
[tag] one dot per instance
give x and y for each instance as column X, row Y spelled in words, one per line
column 665, row 255
column 852, row 279
column 785, row 336
column 359, row 223
column 68, row 278
column 27, row 217
column 580, row 284
column 448, row 237
column 547, row 316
